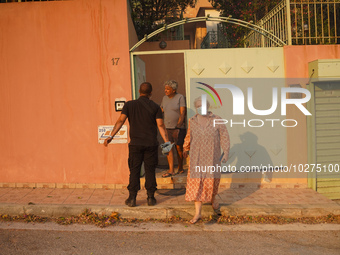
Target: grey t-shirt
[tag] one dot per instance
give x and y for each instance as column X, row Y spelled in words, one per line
column 171, row 107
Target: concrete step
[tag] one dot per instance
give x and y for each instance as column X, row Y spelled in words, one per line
column 167, row 211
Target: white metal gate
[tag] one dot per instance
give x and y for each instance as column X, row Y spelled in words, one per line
column 324, row 128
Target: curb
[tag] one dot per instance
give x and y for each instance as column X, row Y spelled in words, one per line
column 164, row 212
column 294, row 211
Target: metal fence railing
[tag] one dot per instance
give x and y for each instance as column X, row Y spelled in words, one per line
column 210, row 40
column 216, row 39
column 298, row 22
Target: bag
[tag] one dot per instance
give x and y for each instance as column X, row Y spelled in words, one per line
column 166, row 147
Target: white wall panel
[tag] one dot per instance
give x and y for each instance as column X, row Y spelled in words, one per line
column 262, row 69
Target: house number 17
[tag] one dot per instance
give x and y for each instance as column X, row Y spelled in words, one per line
column 115, row 61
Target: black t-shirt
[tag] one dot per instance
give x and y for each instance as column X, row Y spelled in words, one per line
column 143, row 125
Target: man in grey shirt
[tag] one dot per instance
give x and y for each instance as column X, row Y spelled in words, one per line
column 174, row 108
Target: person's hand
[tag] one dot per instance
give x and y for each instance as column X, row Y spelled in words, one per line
column 166, row 147
column 175, row 134
column 107, row 141
column 185, row 154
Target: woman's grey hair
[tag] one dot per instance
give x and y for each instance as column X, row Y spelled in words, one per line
column 199, row 99
column 173, row 84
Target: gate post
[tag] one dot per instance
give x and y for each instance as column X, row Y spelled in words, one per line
column 262, row 37
column 289, row 23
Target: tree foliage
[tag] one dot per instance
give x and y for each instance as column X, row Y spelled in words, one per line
column 244, row 9
column 247, row 10
column 149, row 15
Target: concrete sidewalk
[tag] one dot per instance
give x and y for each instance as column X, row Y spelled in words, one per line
column 49, row 202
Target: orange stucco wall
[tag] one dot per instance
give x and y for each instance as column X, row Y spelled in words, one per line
column 133, row 39
column 57, row 85
column 296, row 66
column 298, row 57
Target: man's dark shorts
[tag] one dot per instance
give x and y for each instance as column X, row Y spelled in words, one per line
column 181, row 135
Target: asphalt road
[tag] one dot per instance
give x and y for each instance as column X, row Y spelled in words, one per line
column 151, row 238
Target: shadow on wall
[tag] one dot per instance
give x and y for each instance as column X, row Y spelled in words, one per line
column 249, row 152
column 250, row 156
column 246, row 154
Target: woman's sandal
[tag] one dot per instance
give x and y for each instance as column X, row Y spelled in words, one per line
column 217, row 209
column 180, row 172
column 167, row 174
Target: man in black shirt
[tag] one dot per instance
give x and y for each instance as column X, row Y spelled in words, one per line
column 144, row 117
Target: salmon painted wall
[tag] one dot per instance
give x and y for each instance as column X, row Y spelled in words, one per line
column 133, row 39
column 57, row 85
column 296, row 66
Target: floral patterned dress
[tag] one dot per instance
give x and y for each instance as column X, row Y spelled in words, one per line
column 204, row 144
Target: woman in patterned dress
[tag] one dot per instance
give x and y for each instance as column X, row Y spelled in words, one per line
column 204, row 141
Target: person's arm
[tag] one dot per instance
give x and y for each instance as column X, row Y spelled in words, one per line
column 186, row 145
column 161, row 106
column 121, row 120
column 162, row 130
column 181, row 119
